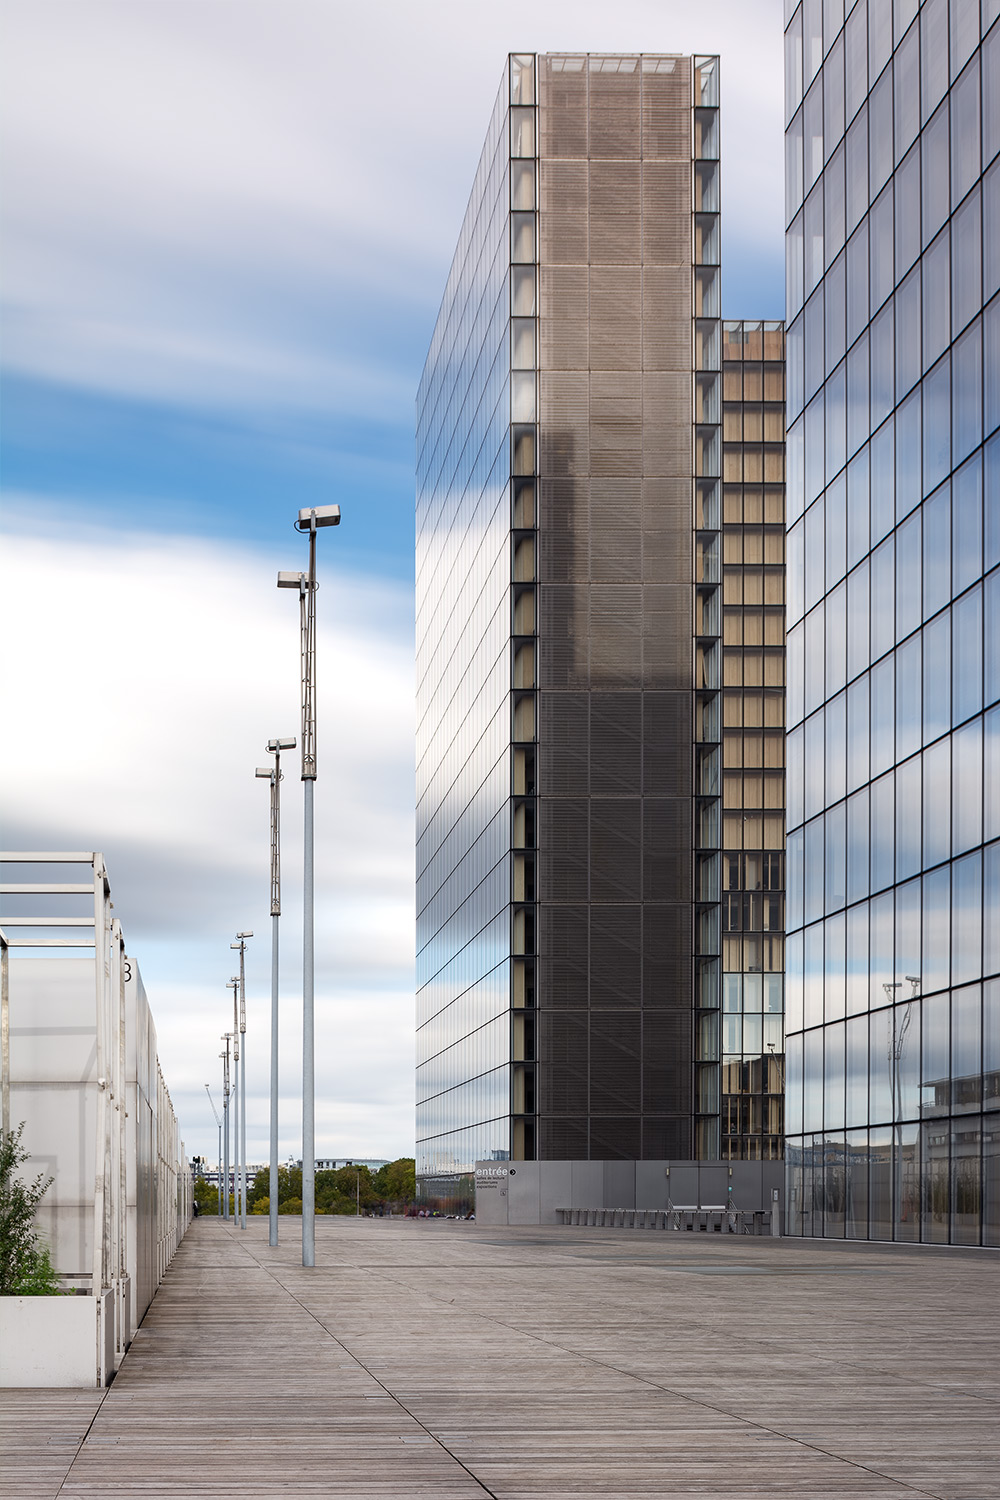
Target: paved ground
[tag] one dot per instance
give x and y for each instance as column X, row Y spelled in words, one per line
column 425, row 1358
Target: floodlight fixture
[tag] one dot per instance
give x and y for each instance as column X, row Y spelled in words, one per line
column 264, row 772
column 292, row 580
column 286, row 744
column 318, row 515
column 244, row 934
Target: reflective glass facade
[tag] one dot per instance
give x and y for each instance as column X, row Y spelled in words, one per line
column 893, row 949
column 464, row 661
column 570, row 636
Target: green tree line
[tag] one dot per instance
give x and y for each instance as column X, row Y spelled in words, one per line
column 340, row 1191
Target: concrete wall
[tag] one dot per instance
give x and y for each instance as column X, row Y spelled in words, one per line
column 531, row 1192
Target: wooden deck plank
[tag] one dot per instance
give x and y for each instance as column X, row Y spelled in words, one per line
column 441, row 1359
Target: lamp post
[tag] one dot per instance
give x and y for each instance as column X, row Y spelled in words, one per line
column 240, row 944
column 218, row 1122
column 227, row 1037
column 309, row 521
column 234, row 985
column 273, row 775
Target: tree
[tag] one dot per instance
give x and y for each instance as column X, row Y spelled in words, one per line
column 25, row 1267
column 396, row 1182
column 260, row 1188
column 206, row 1195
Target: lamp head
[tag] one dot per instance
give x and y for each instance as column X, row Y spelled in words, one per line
column 287, row 744
column 318, row 515
column 244, row 934
column 231, row 983
column 292, row 581
column 264, row 772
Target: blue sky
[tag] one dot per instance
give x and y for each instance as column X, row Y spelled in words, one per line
column 226, row 228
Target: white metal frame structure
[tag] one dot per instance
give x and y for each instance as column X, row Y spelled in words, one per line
column 79, row 1066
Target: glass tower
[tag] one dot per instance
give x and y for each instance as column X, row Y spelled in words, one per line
column 570, row 562
column 893, row 949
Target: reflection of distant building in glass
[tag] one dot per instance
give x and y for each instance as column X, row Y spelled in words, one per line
column 893, row 345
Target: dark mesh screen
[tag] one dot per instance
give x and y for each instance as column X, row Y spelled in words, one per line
column 615, row 614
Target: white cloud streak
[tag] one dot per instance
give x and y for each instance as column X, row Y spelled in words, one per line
column 209, row 202
column 143, row 676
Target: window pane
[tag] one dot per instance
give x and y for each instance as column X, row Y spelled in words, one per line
column 937, row 298
column 967, row 525
column 967, row 919
column 937, row 424
column 965, row 132
column 937, row 551
column 967, row 656
column 967, row 787
column 934, row 170
column 937, row 802
column 908, row 565
column 937, row 677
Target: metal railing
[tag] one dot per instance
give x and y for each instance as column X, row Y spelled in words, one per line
column 716, row 1219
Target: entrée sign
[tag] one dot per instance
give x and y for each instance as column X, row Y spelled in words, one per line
column 492, row 1177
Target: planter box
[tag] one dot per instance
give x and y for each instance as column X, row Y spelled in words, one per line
column 57, row 1341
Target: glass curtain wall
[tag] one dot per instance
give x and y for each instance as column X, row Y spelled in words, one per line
column 474, row 428
column 893, row 950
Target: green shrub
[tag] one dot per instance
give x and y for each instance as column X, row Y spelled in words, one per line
column 25, row 1267
column 39, row 1278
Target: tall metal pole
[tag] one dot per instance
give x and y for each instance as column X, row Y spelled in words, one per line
column 308, row 520
column 218, row 1122
column 241, row 990
column 227, row 1036
column 308, row 620
column 272, row 1220
column 243, row 1130
column 234, row 985
column 273, row 775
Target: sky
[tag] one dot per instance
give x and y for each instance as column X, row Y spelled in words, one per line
column 226, row 227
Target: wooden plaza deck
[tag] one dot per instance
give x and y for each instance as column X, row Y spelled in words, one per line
column 426, row 1358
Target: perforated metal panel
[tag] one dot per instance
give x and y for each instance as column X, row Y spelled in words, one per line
column 615, row 607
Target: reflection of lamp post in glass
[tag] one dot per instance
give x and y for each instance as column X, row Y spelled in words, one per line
column 273, row 775
column 218, row 1122
column 240, row 944
column 227, row 1038
column 308, row 521
column 899, row 1025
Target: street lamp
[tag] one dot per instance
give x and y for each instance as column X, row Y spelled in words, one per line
column 309, row 521
column 218, row 1122
column 241, row 946
column 273, row 775
column 227, row 1037
column 234, row 985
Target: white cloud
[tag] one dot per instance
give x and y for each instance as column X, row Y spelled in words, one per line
column 274, row 179
column 143, row 676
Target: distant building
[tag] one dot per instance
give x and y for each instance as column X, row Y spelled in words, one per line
column 600, row 647
column 329, row 1164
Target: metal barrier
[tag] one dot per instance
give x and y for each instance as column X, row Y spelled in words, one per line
column 717, row 1219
